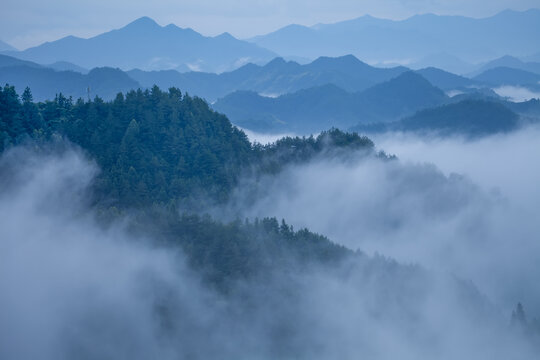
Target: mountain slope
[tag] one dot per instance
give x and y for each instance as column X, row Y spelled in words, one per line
column 445, row 80
column 275, row 78
column 67, row 66
column 510, row 62
column 12, row 61
column 400, row 96
column 378, row 40
column 145, row 44
column 6, row 47
column 473, row 118
column 469, row 118
column 317, row 108
column 443, row 61
column 507, row 76
column 305, row 111
column 46, row 83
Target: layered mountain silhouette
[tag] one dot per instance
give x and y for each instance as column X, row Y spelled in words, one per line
column 67, row 66
column 470, row 118
column 6, row 47
column 12, row 61
column 508, row 76
column 285, row 96
column 46, row 82
column 146, row 45
column 510, row 62
column 472, row 40
column 446, row 80
column 275, row 78
column 444, row 61
column 314, row 109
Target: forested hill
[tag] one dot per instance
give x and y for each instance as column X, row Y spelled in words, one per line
column 469, row 118
column 157, row 150
column 155, row 146
column 160, row 150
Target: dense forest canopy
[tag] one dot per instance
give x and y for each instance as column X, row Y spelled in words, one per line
column 164, row 152
column 164, row 157
column 154, row 146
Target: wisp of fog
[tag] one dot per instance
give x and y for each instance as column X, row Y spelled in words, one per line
column 465, row 207
column 71, row 287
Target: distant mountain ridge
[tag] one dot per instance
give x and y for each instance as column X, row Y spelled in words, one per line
column 145, row 44
column 445, row 80
column 510, row 62
column 377, row 40
column 46, row 82
column 470, row 118
column 317, row 108
column 507, row 76
column 6, row 47
column 281, row 95
column 67, row 66
column 275, row 78
column 12, row 61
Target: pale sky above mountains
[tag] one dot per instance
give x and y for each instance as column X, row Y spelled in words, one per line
column 25, row 23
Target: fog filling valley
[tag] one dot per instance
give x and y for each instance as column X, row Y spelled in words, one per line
column 463, row 234
column 270, row 180
column 466, row 207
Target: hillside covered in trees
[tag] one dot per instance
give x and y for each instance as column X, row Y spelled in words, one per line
column 165, row 157
column 161, row 152
column 155, row 146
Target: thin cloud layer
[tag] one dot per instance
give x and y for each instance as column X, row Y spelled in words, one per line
column 71, row 288
column 467, row 208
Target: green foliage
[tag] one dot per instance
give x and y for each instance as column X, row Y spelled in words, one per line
column 17, row 120
column 238, row 250
column 162, row 151
column 154, row 147
column 272, row 157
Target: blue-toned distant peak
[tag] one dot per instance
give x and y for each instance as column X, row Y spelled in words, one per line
column 509, row 12
column 381, row 40
column 7, row 61
column 289, row 30
column 279, row 63
column 225, row 36
column 276, row 61
column 6, row 47
column 147, row 25
column 69, row 38
column 406, row 81
column 340, row 61
column 142, row 23
column 294, row 27
column 145, row 44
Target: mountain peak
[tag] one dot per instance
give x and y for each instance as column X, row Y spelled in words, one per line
column 276, row 62
column 409, row 76
column 143, row 23
column 339, row 63
column 225, row 35
column 6, row 47
column 508, row 58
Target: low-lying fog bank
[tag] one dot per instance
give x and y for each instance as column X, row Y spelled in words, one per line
column 71, row 288
column 465, row 207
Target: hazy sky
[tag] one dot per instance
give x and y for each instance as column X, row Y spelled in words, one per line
column 25, row 23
